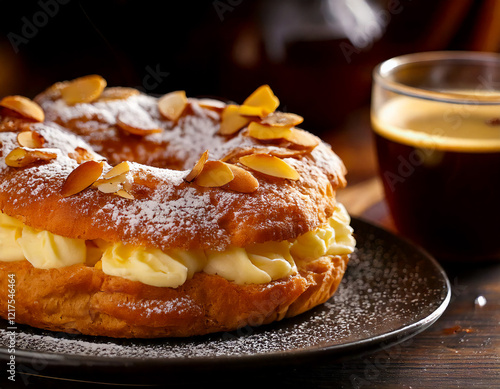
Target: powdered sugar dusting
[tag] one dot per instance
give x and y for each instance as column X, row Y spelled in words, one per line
column 156, row 218
column 184, row 141
column 103, row 111
column 8, row 142
column 167, row 212
column 149, row 309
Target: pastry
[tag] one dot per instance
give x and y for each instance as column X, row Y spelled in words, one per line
column 128, row 215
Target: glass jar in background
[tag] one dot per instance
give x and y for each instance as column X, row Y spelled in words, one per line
column 436, row 120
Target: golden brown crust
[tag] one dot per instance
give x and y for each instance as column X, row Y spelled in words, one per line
column 81, row 299
column 166, row 212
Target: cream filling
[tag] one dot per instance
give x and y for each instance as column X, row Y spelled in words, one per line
column 45, row 250
column 10, row 231
column 254, row 264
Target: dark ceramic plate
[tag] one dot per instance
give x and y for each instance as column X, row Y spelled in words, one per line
column 391, row 291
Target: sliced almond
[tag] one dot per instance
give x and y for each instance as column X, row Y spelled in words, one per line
column 270, row 165
column 137, row 123
column 24, row 107
column 282, row 119
column 81, row 155
column 243, row 181
column 109, row 187
column 263, row 97
column 302, row 138
column 280, row 152
column 120, row 179
column 212, row 104
column 81, row 178
column 113, row 184
column 117, row 93
column 198, row 167
column 123, row 193
column 30, row 139
column 285, row 153
column 20, row 157
column 214, row 174
column 172, row 105
column 248, row 110
column 121, row 168
column 263, row 132
column 83, row 90
column 232, row 121
column 16, row 158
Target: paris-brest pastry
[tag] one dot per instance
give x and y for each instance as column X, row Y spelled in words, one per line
column 128, row 215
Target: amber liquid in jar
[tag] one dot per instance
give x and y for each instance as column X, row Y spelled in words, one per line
column 440, row 166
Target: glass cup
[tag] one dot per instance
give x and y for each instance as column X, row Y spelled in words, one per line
column 436, row 122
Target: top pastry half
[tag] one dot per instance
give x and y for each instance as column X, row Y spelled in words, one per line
column 88, row 162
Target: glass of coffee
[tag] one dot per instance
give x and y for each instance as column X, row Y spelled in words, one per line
column 436, row 122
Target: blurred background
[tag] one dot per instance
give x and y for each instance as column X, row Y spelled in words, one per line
column 317, row 55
